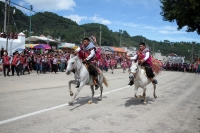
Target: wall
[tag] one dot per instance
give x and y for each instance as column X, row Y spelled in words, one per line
column 13, row 44
column 159, row 57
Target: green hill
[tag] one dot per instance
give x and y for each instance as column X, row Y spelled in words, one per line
column 48, row 23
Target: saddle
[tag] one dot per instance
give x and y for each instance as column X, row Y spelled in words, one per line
column 93, row 71
column 88, row 64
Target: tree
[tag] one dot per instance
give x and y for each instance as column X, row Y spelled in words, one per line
column 184, row 12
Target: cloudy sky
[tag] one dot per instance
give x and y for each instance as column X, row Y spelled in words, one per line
column 137, row 17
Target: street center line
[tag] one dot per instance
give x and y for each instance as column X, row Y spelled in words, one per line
column 62, row 105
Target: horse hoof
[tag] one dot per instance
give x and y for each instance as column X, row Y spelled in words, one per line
column 71, row 94
column 155, row 96
column 99, row 99
column 89, row 102
column 144, row 103
column 70, row 103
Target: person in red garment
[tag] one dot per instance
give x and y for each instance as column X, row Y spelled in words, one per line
column 144, row 59
column 6, row 63
column 87, row 53
column 15, row 64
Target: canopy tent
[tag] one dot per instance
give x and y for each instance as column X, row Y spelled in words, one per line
column 37, row 38
column 19, row 49
column 46, row 46
column 30, row 45
column 107, row 50
column 38, row 46
column 119, row 51
column 66, row 45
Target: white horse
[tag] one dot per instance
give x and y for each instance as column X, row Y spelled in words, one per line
column 82, row 76
column 140, row 80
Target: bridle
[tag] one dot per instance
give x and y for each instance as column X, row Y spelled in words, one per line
column 135, row 74
column 74, row 67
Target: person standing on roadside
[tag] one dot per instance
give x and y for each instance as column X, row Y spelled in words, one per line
column 38, row 63
column 55, row 64
column 62, row 62
column 15, row 64
column 6, row 63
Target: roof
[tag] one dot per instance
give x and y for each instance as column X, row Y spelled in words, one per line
column 36, row 38
column 118, row 49
column 67, row 45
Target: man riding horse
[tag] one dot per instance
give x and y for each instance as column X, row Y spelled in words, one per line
column 87, row 53
column 144, row 59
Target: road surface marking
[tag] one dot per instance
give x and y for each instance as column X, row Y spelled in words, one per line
column 62, row 105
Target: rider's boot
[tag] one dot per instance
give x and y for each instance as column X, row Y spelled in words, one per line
column 154, row 81
column 97, row 83
column 78, row 84
column 131, row 82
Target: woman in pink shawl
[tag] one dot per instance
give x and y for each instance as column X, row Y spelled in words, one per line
column 124, row 65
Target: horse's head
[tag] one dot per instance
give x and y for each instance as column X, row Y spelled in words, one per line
column 71, row 64
column 133, row 69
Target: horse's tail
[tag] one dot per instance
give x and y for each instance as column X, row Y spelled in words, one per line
column 105, row 81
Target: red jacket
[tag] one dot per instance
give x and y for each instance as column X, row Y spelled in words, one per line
column 6, row 60
column 22, row 59
column 15, row 60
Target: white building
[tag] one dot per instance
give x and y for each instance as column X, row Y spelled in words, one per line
column 130, row 51
column 13, row 44
column 175, row 59
column 158, row 56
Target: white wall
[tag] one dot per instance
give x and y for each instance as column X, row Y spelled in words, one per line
column 13, row 44
column 159, row 56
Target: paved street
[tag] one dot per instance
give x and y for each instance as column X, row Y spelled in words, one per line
column 38, row 104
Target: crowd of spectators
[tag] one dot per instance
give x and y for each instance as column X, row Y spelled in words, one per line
column 9, row 35
column 29, row 60
column 183, row 67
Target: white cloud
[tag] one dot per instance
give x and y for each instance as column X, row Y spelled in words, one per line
column 76, row 18
column 51, row 5
column 164, row 29
column 98, row 19
column 149, row 28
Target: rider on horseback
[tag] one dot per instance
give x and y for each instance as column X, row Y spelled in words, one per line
column 87, row 54
column 144, row 59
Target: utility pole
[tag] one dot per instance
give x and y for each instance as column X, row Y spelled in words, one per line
column 120, row 41
column 100, row 37
column 153, row 49
column 31, row 8
column 8, row 11
column 192, row 53
column 5, row 16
